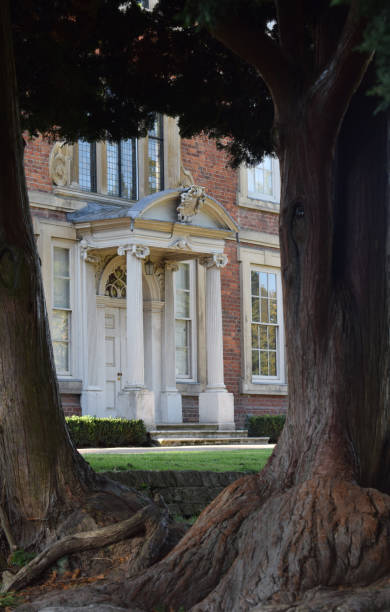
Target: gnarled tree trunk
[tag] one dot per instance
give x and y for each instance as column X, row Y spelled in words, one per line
column 319, row 513
column 43, row 480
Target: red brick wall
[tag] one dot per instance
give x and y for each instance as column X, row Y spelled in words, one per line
column 190, row 407
column 36, row 164
column 71, row 404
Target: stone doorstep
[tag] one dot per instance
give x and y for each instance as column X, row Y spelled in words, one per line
column 208, row 441
column 187, row 426
column 220, row 433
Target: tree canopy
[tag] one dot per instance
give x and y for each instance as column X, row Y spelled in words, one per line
column 100, row 69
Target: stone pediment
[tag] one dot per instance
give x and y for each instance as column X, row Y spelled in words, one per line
column 187, row 206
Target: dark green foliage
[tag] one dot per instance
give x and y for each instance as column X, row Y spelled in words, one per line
column 9, row 600
column 90, row 431
column 266, row 425
column 21, row 557
column 100, row 69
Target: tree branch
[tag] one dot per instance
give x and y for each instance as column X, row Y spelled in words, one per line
column 257, row 48
column 342, row 76
column 291, row 28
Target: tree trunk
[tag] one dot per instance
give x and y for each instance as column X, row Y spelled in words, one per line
column 41, row 473
column 319, row 513
column 43, row 479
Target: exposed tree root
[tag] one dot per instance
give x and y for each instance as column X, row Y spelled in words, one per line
column 150, row 520
column 249, row 547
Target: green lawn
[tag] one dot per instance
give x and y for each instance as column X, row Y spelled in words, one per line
column 217, row 461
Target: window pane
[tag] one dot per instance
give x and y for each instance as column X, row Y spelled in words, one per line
column 260, row 180
column 61, row 298
column 272, row 337
column 264, row 363
column 112, row 168
column 255, row 363
column 255, row 336
column 256, row 310
column 182, row 277
column 267, row 163
column 61, row 261
column 61, row 356
column 264, row 311
column 127, row 169
column 182, row 365
column 251, row 180
column 181, row 333
column 60, row 325
column 267, row 183
column 182, row 304
column 272, row 285
column 263, row 337
column 263, row 284
column 84, row 150
column 272, row 363
column 273, row 313
column 155, row 156
column 255, row 283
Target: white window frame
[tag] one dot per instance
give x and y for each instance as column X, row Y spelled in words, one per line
column 279, row 378
column 192, row 377
column 260, row 201
column 267, row 260
column 62, row 244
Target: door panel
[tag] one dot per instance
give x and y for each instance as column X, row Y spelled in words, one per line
column 114, row 354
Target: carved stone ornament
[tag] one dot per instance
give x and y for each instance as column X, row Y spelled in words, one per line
column 186, row 178
column 191, row 202
column 160, row 275
column 59, row 164
column 173, row 266
column 139, row 250
column 218, row 260
column 180, row 243
column 84, row 252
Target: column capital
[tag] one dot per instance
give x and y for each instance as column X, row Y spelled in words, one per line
column 217, row 260
column 140, row 251
column 84, row 252
column 173, row 266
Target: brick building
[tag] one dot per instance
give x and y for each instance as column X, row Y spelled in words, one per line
column 162, row 278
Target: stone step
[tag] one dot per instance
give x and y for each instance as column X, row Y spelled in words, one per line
column 208, row 441
column 187, row 426
column 196, row 433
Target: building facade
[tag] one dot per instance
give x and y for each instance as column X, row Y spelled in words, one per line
column 161, row 271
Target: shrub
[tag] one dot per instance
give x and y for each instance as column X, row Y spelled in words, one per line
column 91, row 431
column 266, row 425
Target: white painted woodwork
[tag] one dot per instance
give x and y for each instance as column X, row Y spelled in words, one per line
column 214, row 335
column 114, row 353
column 134, row 370
column 171, row 407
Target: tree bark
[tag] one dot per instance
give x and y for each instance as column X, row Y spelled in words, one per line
column 43, row 479
column 319, row 513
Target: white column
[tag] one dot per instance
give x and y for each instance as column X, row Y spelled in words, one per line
column 92, row 385
column 135, row 402
column 215, row 404
column 171, row 409
column 134, row 370
column 214, row 334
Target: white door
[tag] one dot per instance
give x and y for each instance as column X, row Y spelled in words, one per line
column 115, row 350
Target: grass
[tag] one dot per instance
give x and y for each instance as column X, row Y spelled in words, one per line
column 217, row 461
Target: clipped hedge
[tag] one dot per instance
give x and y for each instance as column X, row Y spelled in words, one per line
column 266, row 425
column 91, row 431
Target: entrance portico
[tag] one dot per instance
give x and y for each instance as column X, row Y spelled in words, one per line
column 130, row 321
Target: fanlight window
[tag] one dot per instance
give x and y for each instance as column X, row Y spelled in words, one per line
column 116, row 284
